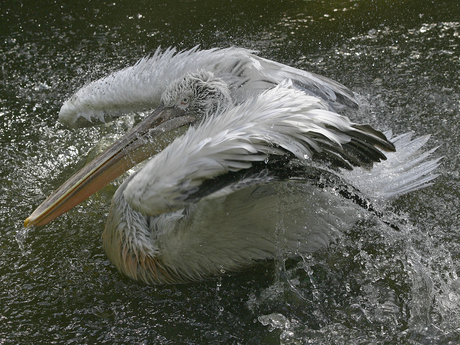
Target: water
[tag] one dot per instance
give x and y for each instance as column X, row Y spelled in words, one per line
column 377, row 285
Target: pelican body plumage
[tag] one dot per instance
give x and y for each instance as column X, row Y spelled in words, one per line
column 267, row 165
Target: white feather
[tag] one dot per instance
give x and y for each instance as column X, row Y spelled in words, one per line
column 405, row 170
column 139, row 87
column 228, row 142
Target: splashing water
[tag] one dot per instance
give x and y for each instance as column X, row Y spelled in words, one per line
column 376, row 284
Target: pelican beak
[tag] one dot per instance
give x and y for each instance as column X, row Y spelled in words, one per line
column 125, row 153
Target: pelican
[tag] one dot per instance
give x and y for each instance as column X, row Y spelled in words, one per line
column 275, row 172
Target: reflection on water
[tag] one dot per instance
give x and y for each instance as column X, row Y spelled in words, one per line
column 376, row 284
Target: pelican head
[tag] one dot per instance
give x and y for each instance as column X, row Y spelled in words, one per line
column 199, row 94
column 185, row 101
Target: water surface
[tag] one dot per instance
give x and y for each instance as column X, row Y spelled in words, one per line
column 377, row 285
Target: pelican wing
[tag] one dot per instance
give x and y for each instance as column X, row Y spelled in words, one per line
column 280, row 122
column 139, row 87
column 333, row 93
column 135, row 88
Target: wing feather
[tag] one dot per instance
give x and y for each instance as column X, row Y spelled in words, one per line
column 281, row 121
column 139, row 87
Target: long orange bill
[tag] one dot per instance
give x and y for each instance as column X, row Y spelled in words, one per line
column 125, row 153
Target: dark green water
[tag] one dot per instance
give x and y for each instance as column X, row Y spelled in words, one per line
column 376, row 286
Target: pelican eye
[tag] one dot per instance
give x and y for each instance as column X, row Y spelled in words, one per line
column 184, row 101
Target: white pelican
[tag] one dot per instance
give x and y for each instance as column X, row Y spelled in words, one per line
column 249, row 180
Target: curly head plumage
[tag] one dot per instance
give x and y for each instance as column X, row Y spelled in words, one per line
column 199, row 93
